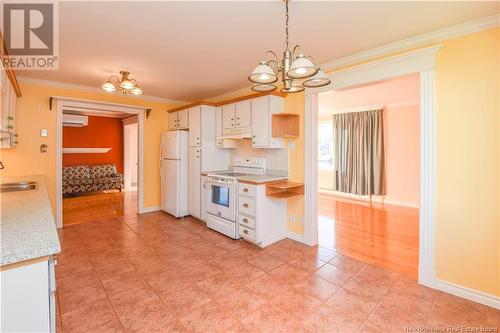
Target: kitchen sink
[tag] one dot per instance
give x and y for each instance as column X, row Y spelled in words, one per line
column 18, row 186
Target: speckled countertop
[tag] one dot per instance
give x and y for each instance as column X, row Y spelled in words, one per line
column 27, row 227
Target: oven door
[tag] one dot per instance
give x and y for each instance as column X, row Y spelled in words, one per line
column 221, row 200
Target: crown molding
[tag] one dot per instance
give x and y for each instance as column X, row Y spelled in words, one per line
column 73, row 86
column 229, row 95
column 414, row 42
column 436, row 36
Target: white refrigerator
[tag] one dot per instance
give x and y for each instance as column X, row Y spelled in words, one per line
column 174, row 173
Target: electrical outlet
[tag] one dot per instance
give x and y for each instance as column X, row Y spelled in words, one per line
column 44, row 133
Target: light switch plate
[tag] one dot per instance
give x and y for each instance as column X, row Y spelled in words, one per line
column 44, row 133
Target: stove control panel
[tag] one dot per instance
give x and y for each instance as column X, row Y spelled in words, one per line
column 250, row 162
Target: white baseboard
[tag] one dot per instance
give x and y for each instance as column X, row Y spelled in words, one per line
column 151, row 209
column 273, row 240
column 366, row 198
column 470, row 294
column 295, row 236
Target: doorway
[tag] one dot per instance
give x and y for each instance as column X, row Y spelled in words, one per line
column 421, row 62
column 374, row 225
column 116, row 199
column 130, row 154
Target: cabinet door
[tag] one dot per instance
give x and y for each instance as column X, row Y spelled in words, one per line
column 182, row 119
column 203, row 201
column 195, row 126
column 218, row 127
column 228, row 120
column 195, row 182
column 243, row 114
column 260, row 122
column 172, row 121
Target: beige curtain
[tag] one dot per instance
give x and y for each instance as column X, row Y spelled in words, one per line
column 359, row 153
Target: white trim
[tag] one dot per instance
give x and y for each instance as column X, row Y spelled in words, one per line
column 419, row 61
column 429, row 38
column 470, row 294
column 151, row 209
column 96, row 90
column 129, row 120
column 61, row 103
column 295, row 236
column 273, row 240
column 367, row 199
column 85, row 150
column 416, row 41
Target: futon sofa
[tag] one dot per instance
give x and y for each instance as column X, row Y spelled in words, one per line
column 90, row 178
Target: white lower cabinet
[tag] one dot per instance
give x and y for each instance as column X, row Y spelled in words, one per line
column 194, row 182
column 204, row 196
column 261, row 219
column 28, row 298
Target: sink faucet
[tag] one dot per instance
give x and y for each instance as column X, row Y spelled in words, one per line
column 2, row 166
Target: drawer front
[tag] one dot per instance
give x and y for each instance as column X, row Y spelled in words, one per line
column 247, row 221
column 246, row 206
column 245, row 189
column 247, row 233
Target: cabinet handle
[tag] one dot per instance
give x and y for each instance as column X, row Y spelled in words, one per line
column 245, row 189
column 253, row 142
column 232, row 118
column 245, row 231
column 245, row 205
column 245, row 220
column 238, row 118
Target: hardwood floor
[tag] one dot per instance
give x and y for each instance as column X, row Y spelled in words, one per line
column 99, row 205
column 380, row 234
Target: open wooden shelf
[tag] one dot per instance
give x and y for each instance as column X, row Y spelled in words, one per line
column 285, row 125
column 284, row 189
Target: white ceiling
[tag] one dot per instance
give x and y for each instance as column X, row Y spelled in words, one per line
column 195, row 50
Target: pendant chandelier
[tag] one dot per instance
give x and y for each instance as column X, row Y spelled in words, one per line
column 291, row 67
column 125, row 84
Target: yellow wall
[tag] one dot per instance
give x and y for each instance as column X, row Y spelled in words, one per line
column 33, row 114
column 467, row 225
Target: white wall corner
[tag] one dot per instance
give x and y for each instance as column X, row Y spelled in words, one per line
column 468, row 293
column 295, row 236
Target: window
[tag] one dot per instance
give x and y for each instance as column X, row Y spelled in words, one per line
column 325, row 145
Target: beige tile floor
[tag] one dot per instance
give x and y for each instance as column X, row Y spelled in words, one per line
column 152, row 273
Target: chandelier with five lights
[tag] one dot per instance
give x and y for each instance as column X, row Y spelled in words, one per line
column 127, row 85
column 292, row 68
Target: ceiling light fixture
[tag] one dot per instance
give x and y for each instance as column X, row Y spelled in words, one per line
column 291, row 67
column 127, row 85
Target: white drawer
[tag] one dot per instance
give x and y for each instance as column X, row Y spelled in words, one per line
column 246, row 205
column 246, row 221
column 247, row 233
column 245, row 189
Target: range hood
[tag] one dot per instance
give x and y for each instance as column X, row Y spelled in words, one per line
column 236, row 133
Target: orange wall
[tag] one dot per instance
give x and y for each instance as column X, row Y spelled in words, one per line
column 400, row 98
column 101, row 132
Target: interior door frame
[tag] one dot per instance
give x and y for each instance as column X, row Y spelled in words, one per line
column 63, row 103
column 422, row 62
column 130, row 121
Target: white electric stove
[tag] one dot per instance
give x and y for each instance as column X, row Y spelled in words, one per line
column 222, row 211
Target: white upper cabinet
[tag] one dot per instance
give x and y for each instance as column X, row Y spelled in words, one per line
column 262, row 110
column 8, row 99
column 194, row 180
column 183, row 119
column 172, row 121
column 195, row 126
column 228, row 116
column 243, row 114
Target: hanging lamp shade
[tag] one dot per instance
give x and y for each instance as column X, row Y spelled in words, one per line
column 302, row 67
column 109, row 87
column 136, row 91
column 264, row 87
column 318, row 80
column 127, row 84
column 263, row 74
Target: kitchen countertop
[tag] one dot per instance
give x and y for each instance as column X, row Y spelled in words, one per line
column 28, row 230
column 260, row 179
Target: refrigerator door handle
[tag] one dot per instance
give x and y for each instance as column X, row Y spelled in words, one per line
column 161, row 153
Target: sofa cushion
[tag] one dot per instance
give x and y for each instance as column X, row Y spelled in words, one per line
column 102, row 170
column 72, row 182
column 76, row 172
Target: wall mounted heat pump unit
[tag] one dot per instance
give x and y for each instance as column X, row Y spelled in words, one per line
column 73, row 120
